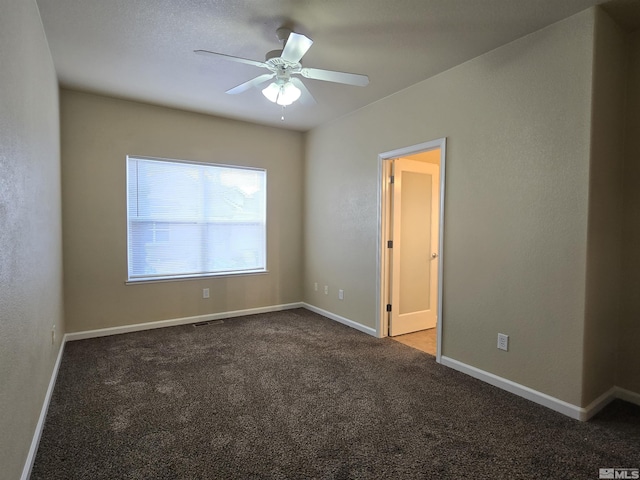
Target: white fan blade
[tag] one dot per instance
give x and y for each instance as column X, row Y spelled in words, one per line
column 254, row 82
column 306, row 98
column 232, row 58
column 337, row 77
column 295, row 47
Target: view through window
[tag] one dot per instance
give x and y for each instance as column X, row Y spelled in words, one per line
column 193, row 219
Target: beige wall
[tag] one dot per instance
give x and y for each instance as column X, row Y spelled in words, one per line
column 97, row 134
column 517, row 122
column 604, row 247
column 30, row 228
column 628, row 361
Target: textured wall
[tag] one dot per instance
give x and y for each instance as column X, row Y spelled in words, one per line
column 97, row 134
column 605, row 209
column 517, row 122
column 628, row 363
column 30, row 228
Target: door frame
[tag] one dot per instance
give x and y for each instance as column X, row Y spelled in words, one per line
column 384, row 213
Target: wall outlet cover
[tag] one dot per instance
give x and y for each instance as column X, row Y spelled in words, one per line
column 503, row 342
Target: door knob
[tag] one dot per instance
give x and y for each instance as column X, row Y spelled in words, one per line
column 434, row 255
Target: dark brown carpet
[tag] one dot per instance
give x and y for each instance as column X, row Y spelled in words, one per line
column 295, row 395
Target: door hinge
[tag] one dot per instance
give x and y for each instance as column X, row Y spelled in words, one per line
column 389, row 243
column 388, row 307
column 391, row 179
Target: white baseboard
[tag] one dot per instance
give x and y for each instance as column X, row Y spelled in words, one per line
column 525, row 392
column 33, row 449
column 568, row 409
column 599, row 403
column 628, row 395
column 103, row 332
column 343, row 320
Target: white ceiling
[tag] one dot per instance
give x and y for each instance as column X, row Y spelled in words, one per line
column 142, row 49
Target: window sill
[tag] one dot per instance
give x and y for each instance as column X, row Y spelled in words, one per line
column 194, row 277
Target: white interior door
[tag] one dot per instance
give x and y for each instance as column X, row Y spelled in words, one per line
column 415, row 236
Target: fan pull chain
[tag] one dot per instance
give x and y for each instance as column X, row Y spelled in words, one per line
column 282, row 117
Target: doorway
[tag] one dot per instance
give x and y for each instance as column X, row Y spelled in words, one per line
column 411, row 204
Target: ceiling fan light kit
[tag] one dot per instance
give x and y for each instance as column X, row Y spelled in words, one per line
column 285, row 63
column 283, row 94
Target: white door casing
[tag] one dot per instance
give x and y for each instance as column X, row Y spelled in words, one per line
column 383, row 260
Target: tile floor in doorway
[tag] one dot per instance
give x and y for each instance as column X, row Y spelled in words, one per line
column 424, row 340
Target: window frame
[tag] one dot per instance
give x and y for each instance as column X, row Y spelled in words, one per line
column 192, row 276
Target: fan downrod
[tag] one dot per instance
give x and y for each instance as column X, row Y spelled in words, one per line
column 283, row 34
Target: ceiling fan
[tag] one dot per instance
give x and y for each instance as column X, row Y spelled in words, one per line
column 283, row 65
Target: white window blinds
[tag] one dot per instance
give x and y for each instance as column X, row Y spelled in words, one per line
column 193, row 219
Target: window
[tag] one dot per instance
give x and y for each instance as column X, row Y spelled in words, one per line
column 193, row 219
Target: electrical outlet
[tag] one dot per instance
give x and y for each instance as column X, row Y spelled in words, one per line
column 315, row 286
column 340, row 294
column 326, row 289
column 503, row 342
column 205, row 293
column 53, row 335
